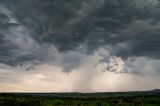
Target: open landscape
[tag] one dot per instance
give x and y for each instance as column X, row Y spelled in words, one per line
column 141, row 98
column 79, row 52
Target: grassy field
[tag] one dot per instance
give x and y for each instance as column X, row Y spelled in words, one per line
column 75, row 99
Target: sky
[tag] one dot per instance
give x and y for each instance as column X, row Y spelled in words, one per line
column 79, row 45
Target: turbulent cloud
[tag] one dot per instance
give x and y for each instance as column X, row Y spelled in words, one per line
column 102, row 45
column 65, row 32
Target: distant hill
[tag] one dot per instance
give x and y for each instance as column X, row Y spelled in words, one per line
column 154, row 92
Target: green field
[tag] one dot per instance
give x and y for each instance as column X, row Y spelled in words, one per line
column 77, row 99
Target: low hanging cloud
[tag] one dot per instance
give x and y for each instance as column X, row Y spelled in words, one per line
column 65, row 33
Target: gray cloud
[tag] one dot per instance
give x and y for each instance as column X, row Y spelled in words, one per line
column 143, row 66
column 38, row 30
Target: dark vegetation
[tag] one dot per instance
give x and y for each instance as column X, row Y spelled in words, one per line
column 147, row 98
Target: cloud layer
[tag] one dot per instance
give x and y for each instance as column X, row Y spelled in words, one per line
column 117, row 36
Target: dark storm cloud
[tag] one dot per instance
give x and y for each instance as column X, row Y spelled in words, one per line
column 131, row 28
column 141, row 38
